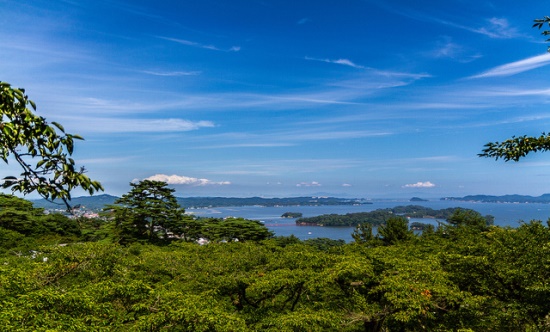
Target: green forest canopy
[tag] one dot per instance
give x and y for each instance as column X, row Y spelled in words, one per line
column 456, row 277
column 58, row 273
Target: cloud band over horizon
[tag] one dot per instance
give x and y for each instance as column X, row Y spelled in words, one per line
column 185, row 180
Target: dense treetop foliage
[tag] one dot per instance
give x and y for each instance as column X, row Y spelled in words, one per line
column 462, row 276
column 149, row 212
column 23, row 227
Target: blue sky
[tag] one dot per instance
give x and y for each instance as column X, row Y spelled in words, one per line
column 288, row 98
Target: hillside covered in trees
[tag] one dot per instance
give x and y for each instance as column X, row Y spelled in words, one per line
column 502, row 199
column 64, row 274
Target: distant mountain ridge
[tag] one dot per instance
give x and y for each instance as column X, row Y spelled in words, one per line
column 545, row 198
column 97, row 202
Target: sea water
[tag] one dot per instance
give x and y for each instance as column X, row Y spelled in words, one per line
column 506, row 214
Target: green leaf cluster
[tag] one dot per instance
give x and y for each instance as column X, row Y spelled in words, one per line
column 540, row 22
column 516, row 148
column 25, row 136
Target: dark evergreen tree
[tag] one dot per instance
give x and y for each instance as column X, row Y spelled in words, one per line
column 470, row 218
column 363, row 234
column 149, row 212
column 233, row 229
column 395, row 230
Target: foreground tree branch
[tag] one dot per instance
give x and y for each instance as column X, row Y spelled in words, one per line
column 42, row 150
column 516, row 148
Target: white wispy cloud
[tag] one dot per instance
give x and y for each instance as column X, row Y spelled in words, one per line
column 127, row 106
column 199, row 45
column 371, row 84
column 497, row 28
column 513, row 92
column 185, row 180
column 429, row 164
column 516, row 67
column 426, row 184
column 303, row 21
column 508, row 121
column 175, row 125
column 346, row 185
column 389, row 73
column 320, row 134
column 251, row 145
column 345, row 62
column 373, row 73
column 42, row 51
column 494, row 27
column 447, row 48
column 282, row 167
column 444, row 159
column 308, row 184
column 172, row 73
column 340, row 92
column 287, row 137
column 107, row 160
column 117, row 125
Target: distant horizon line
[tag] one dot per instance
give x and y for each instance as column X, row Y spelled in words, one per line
column 320, row 196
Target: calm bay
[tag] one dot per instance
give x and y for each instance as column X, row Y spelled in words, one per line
column 506, row 214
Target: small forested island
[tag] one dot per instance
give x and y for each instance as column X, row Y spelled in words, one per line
column 378, row 217
column 418, row 199
column 545, row 198
column 292, row 215
column 419, row 226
